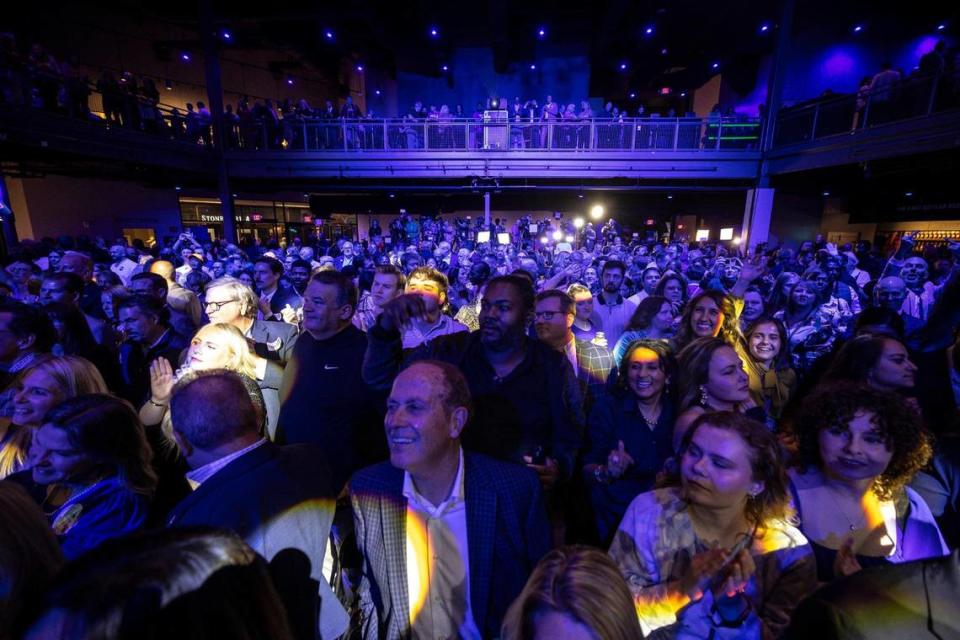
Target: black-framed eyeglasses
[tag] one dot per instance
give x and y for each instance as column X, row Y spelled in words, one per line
column 546, row 315
column 216, row 306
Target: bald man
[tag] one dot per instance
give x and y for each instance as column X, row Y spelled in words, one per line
column 180, row 299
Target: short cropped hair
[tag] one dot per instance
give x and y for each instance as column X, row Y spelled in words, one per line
column 566, row 302
column 157, row 281
column 70, row 282
column 521, row 285
column 392, row 270
column 145, row 304
column 275, row 265
column 212, row 408
column 28, row 320
column 347, row 293
column 613, row 264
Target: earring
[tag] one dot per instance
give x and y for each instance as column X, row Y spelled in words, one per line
column 703, row 396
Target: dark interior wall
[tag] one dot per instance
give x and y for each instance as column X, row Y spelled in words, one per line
column 57, row 205
column 796, row 218
column 473, row 78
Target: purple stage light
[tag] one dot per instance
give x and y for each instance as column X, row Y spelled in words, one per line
column 377, row 92
column 858, row 28
column 648, row 31
column 632, row 95
column 715, row 65
column 290, row 81
column 329, row 35
column 541, row 32
column 360, row 68
column 445, row 68
column 533, row 67
column 433, row 32
column 185, row 56
column 226, row 35
column 623, row 66
column 941, row 27
column 764, row 28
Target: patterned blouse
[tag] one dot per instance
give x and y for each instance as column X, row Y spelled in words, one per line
column 654, row 547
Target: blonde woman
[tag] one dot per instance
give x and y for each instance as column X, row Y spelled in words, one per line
column 214, row 346
column 38, row 389
column 574, row 592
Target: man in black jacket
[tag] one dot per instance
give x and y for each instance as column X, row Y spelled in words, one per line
column 526, row 395
column 324, row 400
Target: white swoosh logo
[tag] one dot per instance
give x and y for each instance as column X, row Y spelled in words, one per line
column 329, row 368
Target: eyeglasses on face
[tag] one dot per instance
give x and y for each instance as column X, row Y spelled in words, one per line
column 216, row 306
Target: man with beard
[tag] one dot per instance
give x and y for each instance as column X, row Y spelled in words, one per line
column 527, row 397
column 614, row 311
column 123, row 266
column 388, row 283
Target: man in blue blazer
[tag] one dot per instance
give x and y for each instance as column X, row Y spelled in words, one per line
column 448, row 538
column 279, row 499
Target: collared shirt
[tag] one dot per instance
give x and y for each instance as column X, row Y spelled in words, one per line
column 570, row 350
column 613, row 317
column 412, row 335
column 267, row 297
column 201, row 474
column 438, row 563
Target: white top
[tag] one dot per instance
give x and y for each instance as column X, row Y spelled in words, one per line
column 438, row 563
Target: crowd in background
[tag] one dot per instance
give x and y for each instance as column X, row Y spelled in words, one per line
column 736, row 428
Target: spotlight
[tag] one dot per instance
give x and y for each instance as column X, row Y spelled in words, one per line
column 393, row 195
column 858, row 28
column 226, row 35
column 377, row 92
column 715, row 65
column 580, row 195
column 533, row 67
column 764, row 28
column 290, row 80
column 558, row 235
column 683, row 94
column 445, row 68
column 494, row 103
column 623, row 66
column 541, row 33
column 826, row 194
column 941, row 27
column 543, row 240
column 669, row 196
column 737, row 240
column 648, row 31
column 909, row 194
column 663, row 51
column 328, row 35
column 433, row 32
column 578, row 223
column 360, row 68
column 177, row 188
column 185, row 56
column 597, row 211
column 633, row 95
column 568, row 238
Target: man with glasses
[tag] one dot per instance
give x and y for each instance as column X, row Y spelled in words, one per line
column 229, row 301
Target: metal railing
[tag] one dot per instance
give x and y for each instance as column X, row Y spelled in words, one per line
column 409, row 135
column 835, row 115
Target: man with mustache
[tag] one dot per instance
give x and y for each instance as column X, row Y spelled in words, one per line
column 527, row 397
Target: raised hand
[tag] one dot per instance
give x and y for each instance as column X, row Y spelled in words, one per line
column 399, row 311
column 618, row 460
column 161, row 381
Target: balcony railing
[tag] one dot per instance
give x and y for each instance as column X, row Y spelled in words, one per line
column 847, row 114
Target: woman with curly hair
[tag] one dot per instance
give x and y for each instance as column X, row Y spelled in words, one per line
column 713, row 552
column 859, row 447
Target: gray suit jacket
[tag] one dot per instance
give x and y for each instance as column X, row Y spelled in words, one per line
column 507, row 534
column 273, row 340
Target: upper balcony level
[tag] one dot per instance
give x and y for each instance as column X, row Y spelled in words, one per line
column 913, row 116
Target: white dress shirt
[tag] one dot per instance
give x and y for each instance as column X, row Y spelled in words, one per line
column 200, row 475
column 438, row 564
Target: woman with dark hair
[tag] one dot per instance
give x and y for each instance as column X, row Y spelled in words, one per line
column 653, row 320
column 629, row 433
column 74, row 338
column 673, row 286
column 574, row 592
column 753, row 307
column 712, row 553
column 171, row 583
column 880, row 363
column 92, row 457
column 29, row 559
column 859, row 447
column 709, row 314
column 767, row 363
column 811, row 328
column 781, row 290
column 712, row 379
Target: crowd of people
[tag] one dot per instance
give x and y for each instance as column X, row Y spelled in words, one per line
column 441, row 436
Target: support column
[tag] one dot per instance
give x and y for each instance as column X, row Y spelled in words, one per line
column 8, row 227
column 210, row 37
column 486, row 210
column 756, row 216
